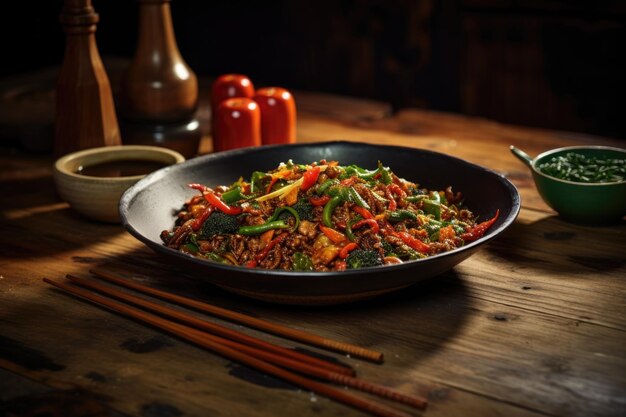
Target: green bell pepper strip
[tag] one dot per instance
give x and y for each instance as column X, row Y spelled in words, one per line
column 351, row 170
column 302, row 262
column 234, row 195
column 416, row 198
column 257, row 229
column 329, row 208
column 432, row 207
column 255, row 181
column 385, row 177
column 432, row 228
column 356, row 198
column 349, row 232
column 324, row 187
column 291, row 211
column 192, row 247
column 338, row 190
column 400, row 215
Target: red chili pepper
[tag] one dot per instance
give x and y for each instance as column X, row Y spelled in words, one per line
column 266, row 250
column 373, row 224
column 341, row 265
column 310, row 178
column 333, row 235
column 251, row 264
column 197, row 223
column 365, row 213
column 215, row 200
column 395, row 188
column 479, row 230
column 202, row 188
column 271, row 184
column 414, row 243
column 341, row 224
column 343, row 253
column 319, row 201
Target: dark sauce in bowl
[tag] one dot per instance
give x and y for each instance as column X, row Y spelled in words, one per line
column 123, row 168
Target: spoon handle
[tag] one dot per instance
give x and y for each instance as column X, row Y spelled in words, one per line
column 522, row 156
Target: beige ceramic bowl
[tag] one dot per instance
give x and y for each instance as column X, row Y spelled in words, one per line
column 98, row 197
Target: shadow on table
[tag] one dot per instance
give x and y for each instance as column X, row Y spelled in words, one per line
column 50, row 231
column 421, row 317
column 28, row 192
column 552, row 243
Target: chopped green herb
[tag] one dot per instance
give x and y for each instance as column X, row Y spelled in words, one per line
column 580, row 168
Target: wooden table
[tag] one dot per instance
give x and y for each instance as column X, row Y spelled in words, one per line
column 532, row 325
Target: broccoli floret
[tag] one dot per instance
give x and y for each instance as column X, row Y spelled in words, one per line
column 303, row 208
column 361, row 258
column 219, row 223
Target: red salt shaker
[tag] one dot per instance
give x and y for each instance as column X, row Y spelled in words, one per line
column 278, row 115
column 237, row 124
column 229, row 86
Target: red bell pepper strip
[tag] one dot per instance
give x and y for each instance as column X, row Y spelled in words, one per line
column 365, row 213
column 216, row 201
column 373, row 224
column 333, row 235
column 221, row 206
column 319, row 201
column 479, row 230
column 310, row 178
column 412, row 242
column 343, row 253
column 198, row 221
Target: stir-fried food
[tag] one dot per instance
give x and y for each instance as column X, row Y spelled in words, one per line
column 322, row 217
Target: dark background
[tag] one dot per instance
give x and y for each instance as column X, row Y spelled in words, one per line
column 553, row 64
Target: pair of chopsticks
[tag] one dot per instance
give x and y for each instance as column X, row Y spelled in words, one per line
column 286, row 364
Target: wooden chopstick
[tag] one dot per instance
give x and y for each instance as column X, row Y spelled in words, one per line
column 277, row 329
column 331, row 372
column 213, row 328
column 212, row 343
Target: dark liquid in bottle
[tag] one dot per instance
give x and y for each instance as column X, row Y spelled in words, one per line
column 126, row 168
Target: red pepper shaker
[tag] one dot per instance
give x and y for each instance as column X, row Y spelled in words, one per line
column 278, row 115
column 237, row 124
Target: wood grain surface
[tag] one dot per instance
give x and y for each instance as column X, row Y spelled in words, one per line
column 532, row 325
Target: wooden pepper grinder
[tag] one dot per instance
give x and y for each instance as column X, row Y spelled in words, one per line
column 85, row 114
column 159, row 86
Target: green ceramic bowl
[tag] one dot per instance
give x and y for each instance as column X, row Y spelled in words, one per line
column 585, row 203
